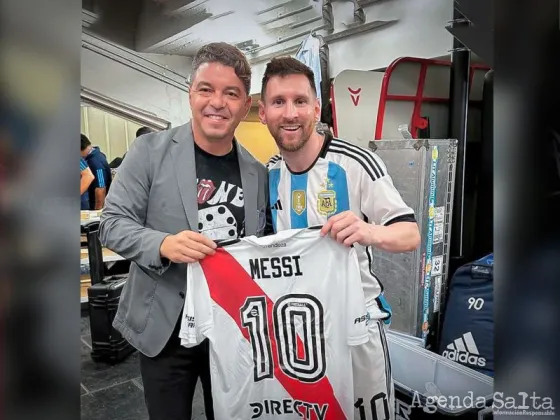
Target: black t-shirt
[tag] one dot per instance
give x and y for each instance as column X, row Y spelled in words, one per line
column 221, row 214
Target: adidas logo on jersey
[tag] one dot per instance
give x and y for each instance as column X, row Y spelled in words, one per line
column 277, row 205
column 464, row 350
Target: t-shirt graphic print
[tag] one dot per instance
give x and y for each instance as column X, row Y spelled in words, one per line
column 219, row 195
column 281, row 313
column 216, row 207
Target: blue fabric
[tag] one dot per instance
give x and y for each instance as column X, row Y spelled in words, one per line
column 97, row 162
column 308, row 54
column 337, row 176
column 84, row 201
column 84, row 198
column 385, row 307
column 273, row 181
column 468, row 331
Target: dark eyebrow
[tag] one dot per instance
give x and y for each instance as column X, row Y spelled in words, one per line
column 206, row 84
column 233, row 88
column 274, row 98
column 202, row 83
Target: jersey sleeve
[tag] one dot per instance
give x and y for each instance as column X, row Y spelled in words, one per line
column 357, row 315
column 99, row 173
column 83, row 165
column 197, row 315
column 379, row 199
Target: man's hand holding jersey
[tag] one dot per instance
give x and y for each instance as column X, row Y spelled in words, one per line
column 186, row 247
column 348, row 229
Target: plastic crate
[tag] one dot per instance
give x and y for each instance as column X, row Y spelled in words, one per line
column 429, row 386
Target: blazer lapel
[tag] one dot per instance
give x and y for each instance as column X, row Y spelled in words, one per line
column 249, row 183
column 185, row 170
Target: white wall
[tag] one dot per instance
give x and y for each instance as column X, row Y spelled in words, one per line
column 158, row 92
column 257, row 72
column 419, row 32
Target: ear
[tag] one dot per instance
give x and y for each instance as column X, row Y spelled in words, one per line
column 317, row 110
column 262, row 115
column 190, row 96
column 248, row 104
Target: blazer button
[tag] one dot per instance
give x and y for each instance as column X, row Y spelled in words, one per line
column 182, row 294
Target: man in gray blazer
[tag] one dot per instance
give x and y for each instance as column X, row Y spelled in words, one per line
column 177, row 193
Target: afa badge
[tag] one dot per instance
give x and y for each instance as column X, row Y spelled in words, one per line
column 298, row 201
column 326, row 202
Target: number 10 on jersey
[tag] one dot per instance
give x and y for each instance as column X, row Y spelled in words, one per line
column 299, row 358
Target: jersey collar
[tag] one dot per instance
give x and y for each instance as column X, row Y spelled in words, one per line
column 322, row 153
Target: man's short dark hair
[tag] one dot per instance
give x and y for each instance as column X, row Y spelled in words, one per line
column 143, row 130
column 84, row 142
column 226, row 54
column 285, row 66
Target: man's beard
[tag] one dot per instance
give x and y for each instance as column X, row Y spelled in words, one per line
column 292, row 146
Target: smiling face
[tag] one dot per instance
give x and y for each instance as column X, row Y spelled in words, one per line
column 290, row 109
column 218, row 101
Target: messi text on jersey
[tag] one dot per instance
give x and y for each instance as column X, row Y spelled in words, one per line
column 275, row 267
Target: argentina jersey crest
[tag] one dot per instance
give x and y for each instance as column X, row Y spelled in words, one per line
column 300, row 200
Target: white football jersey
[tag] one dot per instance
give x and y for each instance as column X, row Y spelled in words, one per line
column 280, row 313
column 344, row 177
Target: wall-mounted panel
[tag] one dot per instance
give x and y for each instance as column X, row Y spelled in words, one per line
column 355, row 96
column 113, row 134
column 406, row 28
column 153, row 84
column 410, row 91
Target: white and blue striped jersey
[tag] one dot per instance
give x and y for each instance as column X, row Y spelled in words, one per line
column 344, row 177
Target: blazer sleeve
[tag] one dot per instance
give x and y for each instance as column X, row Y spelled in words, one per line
column 122, row 228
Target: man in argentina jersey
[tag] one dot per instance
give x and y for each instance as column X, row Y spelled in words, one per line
column 281, row 313
column 321, row 180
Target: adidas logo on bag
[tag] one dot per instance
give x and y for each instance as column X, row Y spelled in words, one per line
column 464, row 350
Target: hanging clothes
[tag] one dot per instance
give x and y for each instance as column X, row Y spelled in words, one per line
column 308, row 54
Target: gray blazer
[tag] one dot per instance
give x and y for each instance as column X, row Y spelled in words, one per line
column 154, row 194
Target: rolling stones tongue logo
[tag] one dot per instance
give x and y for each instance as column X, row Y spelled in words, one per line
column 205, row 189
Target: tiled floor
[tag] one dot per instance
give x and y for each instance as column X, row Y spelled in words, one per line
column 115, row 392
